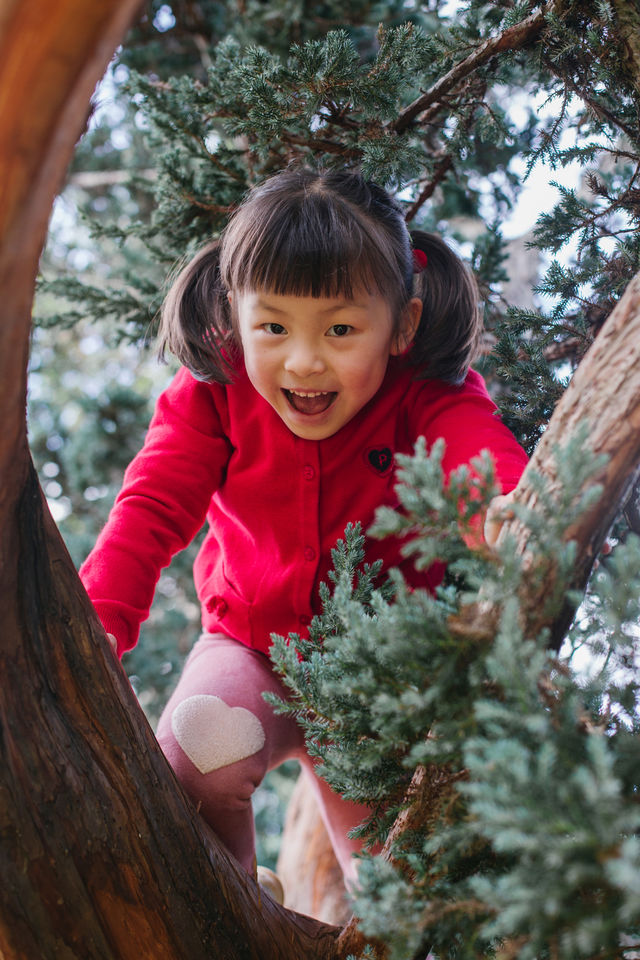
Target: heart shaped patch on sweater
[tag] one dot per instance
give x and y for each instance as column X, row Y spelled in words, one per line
column 213, row 735
column 380, row 459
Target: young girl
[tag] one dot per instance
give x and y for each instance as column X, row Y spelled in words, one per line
column 318, row 340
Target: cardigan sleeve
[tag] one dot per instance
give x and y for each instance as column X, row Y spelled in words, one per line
column 163, row 502
column 466, row 418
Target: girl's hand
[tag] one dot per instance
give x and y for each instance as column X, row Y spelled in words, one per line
column 498, row 513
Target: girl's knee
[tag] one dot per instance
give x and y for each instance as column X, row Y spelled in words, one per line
column 215, row 751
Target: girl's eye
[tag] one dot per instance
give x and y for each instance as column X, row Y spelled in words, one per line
column 340, row 330
column 274, row 328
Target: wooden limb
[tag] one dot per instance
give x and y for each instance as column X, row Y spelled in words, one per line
column 442, row 168
column 605, row 393
column 307, row 865
column 101, row 179
column 513, row 38
column 430, row 790
column 427, row 191
column 103, row 855
column 320, row 145
column 51, row 57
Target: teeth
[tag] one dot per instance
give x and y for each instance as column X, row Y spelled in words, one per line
column 309, row 393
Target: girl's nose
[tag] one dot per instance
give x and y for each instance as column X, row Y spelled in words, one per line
column 304, row 360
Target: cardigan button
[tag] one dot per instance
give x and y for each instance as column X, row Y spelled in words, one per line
column 308, row 472
column 217, row 605
column 304, row 620
column 309, row 553
column 221, row 608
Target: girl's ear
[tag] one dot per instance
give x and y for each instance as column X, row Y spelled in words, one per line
column 410, row 323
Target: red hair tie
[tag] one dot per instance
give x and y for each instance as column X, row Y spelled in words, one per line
column 420, row 260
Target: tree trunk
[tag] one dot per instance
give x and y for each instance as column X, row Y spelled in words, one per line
column 103, row 855
column 307, row 865
column 605, row 394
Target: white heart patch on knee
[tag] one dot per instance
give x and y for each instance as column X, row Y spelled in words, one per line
column 213, row 734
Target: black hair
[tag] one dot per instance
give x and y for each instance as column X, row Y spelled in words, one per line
column 447, row 338
column 331, row 233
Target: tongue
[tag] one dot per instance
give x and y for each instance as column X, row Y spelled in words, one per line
column 310, row 405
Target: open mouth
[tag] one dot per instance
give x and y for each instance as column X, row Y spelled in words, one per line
column 310, row 401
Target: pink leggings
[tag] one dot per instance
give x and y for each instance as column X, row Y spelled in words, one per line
column 221, row 738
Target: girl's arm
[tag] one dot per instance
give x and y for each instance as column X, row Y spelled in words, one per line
column 163, row 502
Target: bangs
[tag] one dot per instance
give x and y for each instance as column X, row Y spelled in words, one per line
column 322, row 234
column 316, row 245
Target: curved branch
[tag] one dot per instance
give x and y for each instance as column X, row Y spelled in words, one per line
column 605, row 393
column 48, row 85
column 102, row 849
column 428, row 190
column 513, row 38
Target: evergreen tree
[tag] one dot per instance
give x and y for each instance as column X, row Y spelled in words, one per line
column 525, row 843
column 521, row 767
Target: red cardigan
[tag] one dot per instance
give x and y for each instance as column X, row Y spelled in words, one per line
column 275, row 504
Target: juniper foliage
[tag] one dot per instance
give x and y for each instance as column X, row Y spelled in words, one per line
column 531, row 848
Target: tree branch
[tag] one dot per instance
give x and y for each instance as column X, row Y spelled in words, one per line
column 40, row 122
column 604, row 393
column 99, row 179
column 513, row 38
column 320, row 145
column 439, row 174
column 90, row 805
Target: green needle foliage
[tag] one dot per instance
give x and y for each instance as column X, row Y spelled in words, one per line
column 529, row 847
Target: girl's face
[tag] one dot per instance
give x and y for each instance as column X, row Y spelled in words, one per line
column 318, row 360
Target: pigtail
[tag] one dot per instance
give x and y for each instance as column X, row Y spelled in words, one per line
column 195, row 323
column 447, row 338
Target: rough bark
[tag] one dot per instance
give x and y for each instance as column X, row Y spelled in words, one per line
column 102, row 854
column 605, row 394
column 51, row 56
column 628, row 19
